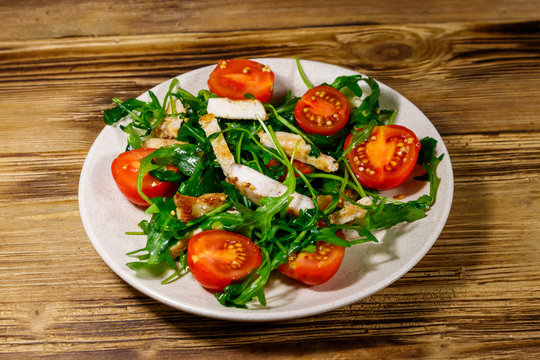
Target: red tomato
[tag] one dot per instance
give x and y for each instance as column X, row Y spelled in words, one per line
column 387, row 159
column 235, row 78
column 218, row 257
column 322, row 110
column 314, row 268
column 304, row 169
column 124, row 170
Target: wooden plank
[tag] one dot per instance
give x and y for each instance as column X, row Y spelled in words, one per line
column 65, row 18
column 456, row 73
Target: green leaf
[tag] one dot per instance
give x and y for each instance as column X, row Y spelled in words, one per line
column 392, row 214
column 430, row 162
column 134, row 138
column 359, row 137
column 117, row 113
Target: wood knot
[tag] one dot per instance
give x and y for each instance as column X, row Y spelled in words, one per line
column 389, row 52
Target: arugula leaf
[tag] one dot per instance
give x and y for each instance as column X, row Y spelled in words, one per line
column 350, row 82
column 392, row 214
column 359, row 137
column 134, row 138
column 430, row 162
column 253, row 287
column 288, row 103
column 183, row 156
column 117, row 113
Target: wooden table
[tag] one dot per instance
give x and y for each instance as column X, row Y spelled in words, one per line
column 473, row 67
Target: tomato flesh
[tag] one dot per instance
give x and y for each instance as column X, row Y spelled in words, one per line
column 322, row 110
column 235, row 78
column 218, row 257
column 385, row 160
column 314, row 268
column 304, row 169
column 125, row 169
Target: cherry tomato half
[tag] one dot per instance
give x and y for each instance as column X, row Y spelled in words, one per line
column 314, row 268
column 124, row 170
column 385, row 160
column 218, row 257
column 322, row 110
column 304, row 169
column 235, row 78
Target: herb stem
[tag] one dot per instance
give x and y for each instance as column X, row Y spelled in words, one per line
column 302, row 75
column 359, row 189
column 392, row 118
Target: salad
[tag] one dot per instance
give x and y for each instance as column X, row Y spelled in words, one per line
column 239, row 187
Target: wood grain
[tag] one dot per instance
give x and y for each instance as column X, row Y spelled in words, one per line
column 64, row 18
column 472, row 67
column 470, row 82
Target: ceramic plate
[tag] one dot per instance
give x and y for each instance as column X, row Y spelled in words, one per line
column 366, row 269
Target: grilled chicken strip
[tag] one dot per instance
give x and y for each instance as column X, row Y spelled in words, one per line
column 158, row 142
column 248, row 181
column 254, row 185
column 248, row 109
column 224, row 156
column 191, row 207
column 168, row 129
column 177, row 248
column 288, row 142
column 350, row 213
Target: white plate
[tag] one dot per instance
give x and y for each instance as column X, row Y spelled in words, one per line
column 366, row 269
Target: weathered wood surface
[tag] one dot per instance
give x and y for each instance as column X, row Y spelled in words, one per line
column 472, row 67
column 66, row 18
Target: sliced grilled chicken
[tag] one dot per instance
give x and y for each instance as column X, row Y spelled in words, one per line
column 324, row 201
column 159, row 142
column 251, row 183
column 224, row 156
column 254, row 185
column 350, row 213
column 168, row 129
column 192, row 207
column 177, row 248
column 249, row 109
column 288, row 142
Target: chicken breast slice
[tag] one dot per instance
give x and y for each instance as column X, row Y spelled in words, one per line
column 159, row 142
column 248, row 109
column 350, row 213
column 192, row 207
column 254, row 185
column 223, row 154
column 177, row 248
column 168, row 128
column 288, row 142
column 251, row 183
